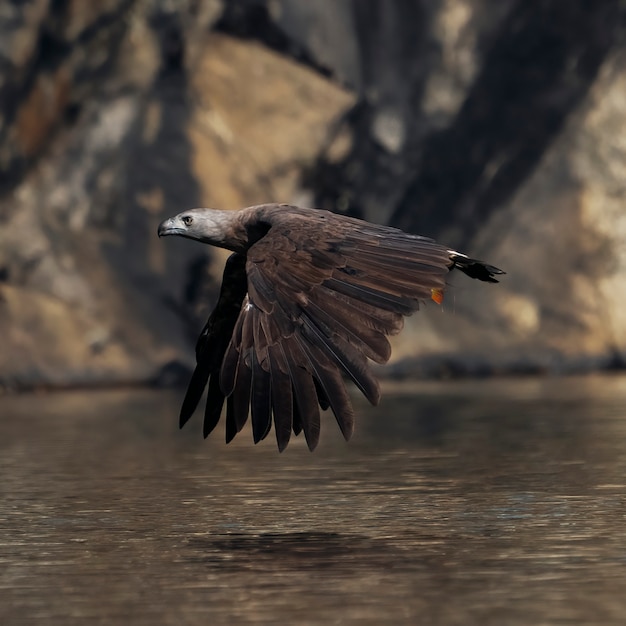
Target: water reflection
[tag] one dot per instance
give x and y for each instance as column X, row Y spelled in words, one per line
column 456, row 503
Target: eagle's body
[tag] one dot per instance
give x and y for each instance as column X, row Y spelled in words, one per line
column 307, row 297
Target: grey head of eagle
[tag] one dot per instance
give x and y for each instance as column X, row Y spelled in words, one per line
column 308, row 298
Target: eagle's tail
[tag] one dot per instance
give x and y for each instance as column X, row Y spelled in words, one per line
column 474, row 268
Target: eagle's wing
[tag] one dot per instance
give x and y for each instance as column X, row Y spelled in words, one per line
column 324, row 291
column 212, row 344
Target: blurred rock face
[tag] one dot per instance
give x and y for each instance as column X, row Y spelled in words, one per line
column 115, row 119
column 495, row 129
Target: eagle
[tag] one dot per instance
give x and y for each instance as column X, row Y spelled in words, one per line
column 308, row 298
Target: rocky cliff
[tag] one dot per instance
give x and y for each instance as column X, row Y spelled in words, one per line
column 496, row 127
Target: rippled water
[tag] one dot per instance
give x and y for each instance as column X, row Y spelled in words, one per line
column 496, row 502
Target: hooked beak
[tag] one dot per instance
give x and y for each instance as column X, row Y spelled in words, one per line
column 169, row 227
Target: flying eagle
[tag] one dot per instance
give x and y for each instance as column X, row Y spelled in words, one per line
column 307, row 297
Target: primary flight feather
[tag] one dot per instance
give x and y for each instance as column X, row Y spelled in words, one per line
column 307, row 298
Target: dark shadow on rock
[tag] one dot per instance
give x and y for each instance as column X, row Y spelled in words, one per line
column 537, row 66
column 252, row 19
column 159, row 183
column 396, row 52
column 536, row 72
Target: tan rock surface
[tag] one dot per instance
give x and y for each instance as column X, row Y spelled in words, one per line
column 90, row 294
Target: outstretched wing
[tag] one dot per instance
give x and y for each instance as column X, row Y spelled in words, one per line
column 324, row 292
column 212, row 344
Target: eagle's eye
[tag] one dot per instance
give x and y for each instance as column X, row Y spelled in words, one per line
column 187, row 220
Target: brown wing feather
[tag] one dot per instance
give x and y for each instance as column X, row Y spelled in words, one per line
column 261, row 399
column 305, row 394
column 282, row 401
column 331, row 384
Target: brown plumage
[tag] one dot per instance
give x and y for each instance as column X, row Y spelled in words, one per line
column 307, row 297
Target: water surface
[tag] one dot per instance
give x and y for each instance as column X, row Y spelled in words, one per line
column 494, row 502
